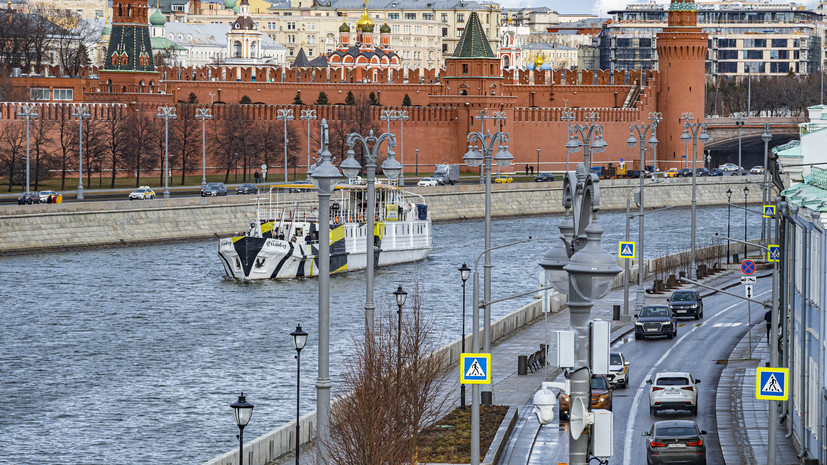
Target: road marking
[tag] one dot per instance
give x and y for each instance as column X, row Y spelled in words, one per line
column 636, row 403
column 726, row 325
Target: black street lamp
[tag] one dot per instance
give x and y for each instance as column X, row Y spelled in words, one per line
column 299, row 340
column 746, row 192
column 242, row 411
column 728, row 208
column 464, row 273
column 401, row 296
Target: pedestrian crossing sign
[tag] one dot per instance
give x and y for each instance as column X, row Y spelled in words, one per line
column 774, row 253
column 769, row 211
column 626, row 249
column 475, row 369
column 772, row 383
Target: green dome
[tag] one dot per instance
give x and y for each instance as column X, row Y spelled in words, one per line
column 344, row 28
column 157, row 18
column 385, row 29
column 236, row 9
column 106, row 30
column 229, row 4
column 367, row 28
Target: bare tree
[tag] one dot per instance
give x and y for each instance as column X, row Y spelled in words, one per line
column 39, row 141
column 66, row 140
column 140, row 137
column 230, row 137
column 12, row 149
column 115, row 127
column 69, row 36
column 352, row 118
column 185, row 138
column 94, row 147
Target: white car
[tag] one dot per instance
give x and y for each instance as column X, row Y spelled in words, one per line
column 427, row 182
column 142, row 193
column 44, row 196
column 729, row 167
column 618, row 370
column 756, row 170
column 673, row 390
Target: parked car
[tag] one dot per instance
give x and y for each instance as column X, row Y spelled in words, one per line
column 618, row 370
column 671, row 173
column 685, row 173
column 427, row 182
column 297, row 186
column 673, row 390
column 655, row 320
column 213, row 189
column 633, row 174
column 44, row 196
column 544, row 177
column 503, row 179
column 728, row 168
column 701, row 172
column 28, row 198
column 601, row 396
column 246, row 189
column 716, row 172
column 675, row 441
column 687, row 302
column 142, row 193
column 756, row 170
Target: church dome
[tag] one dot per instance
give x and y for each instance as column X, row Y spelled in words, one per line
column 538, row 62
column 157, row 18
column 106, row 30
column 344, row 27
column 385, row 29
column 229, row 4
column 365, row 22
column 236, row 9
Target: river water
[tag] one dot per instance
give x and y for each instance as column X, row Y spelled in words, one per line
column 133, row 354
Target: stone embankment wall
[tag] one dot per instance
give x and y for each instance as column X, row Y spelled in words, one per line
column 70, row 225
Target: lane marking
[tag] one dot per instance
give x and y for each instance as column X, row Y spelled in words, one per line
column 627, row 447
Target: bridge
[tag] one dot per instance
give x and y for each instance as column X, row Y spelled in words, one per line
column 723, row 148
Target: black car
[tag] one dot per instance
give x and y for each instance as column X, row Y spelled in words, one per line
column 213, row 189
column 687, row 302
column 655, row 320
column 702, row 172
column 246, row 189
column 544, row 177
column 28, row 198
column 684, row 173
column 675, row 441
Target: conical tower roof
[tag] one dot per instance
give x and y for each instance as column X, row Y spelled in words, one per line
column 473, row 43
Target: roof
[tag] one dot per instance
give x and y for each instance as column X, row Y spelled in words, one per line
column 162, row 43
column 812, row 193
column 302, row 61
column 209, row 35
column 473, row 43
column 377, row 5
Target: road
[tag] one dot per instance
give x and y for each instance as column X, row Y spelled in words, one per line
column 700, row 348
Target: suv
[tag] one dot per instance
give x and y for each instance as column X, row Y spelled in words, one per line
column 618, row 370
column 246, row 188
column 687, row 302
column 601, row 396
column 655, row 320
column 544, row 177
column 685, row 173
column 213, row 189
column 673, row 390
column 675, row 441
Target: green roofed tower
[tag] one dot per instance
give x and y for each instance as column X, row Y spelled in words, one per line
column 129, row 46
column 473, row 69
column 473, row 42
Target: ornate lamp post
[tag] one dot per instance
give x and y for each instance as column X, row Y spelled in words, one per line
column 568, row 117
column 285, row 114
column 400, row 296
column 203, row 114
column 402, row 116
column 766, row 231
column 642, row 130
column 591, row 134
column 691, row 132
column 308, row 115
column 746, row 193
column 166, row 113
column 728, row 233
column 351, row 168
column 81, row 112
column 464, row 274
column 739, row 121
column 242, row 411
column 28, row 111
column 299, row 341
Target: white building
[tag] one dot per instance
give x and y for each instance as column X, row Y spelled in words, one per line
column 207, row 44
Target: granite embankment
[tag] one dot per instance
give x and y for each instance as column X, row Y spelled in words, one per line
column 87, row 224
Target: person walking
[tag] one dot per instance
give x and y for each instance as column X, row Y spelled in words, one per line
column 257, row 176
column 768, row 319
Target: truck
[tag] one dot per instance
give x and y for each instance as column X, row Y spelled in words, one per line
column 446, row 174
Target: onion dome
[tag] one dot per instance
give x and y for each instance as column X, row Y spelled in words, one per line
column 365, row 22
column 236, row 9
column 229, row 4
column 344, row 27
column 157, row 18
column 385, row 29
column 538, row 62
column 106, row 30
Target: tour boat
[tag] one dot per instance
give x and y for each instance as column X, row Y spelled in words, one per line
column 282, row 240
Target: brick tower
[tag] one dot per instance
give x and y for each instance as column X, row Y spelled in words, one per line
column 129, row 65
column 681, row 63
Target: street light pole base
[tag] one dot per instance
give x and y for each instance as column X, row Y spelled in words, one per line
column 486, row 397
column 166, row 194
column 625, row 318
column 80, row 193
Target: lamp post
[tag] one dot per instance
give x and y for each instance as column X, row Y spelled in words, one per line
column 473, row 158
column 28, row 111
column 766, row 232
column 568, row 117
column 746, row 193
column 591, row 135
column 350, row 168
column 285, row 114
column 203, row 114
column 464, row 273
column 308, row 115
column 299, row 340
column 325, row 177
column 242, row 411
column 401, row 296
column 691, row 132
column 728, row 233
column 739, row 121
column 166, row 113
column 81, row 112
column 642, row 130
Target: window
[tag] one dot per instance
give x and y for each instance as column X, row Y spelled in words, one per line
column 444, row 17
column 459, row 32
column 418, row 30
column 780, row 67
column 444, row 32
column 271, row 26
column 727, row 43
column 444, row 48
column 727, row 54
column 464, row 68
column 39, row 93
column 410, row 15
column 291, row 26
column 753, row 54
column 779, row 43
column 310, row 26
column 779, row 54
column 64, row 94
column 647, row 43
column 291, row 39
column 428, row 16
column 393, row 15
column 755, row 43
column 460, row 17
column 310, row 52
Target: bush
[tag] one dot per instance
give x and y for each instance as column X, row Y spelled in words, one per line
column 322, row 100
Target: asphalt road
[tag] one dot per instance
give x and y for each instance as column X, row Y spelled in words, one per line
column 698, row 348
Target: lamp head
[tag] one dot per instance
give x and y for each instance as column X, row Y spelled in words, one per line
column 464, row 272
column 325, row 176
column 391, row 167
column 503, row 157
column 592, row 269
column 472, row 157
column 242, row 411
column 573, row 145
column 400, row 295
column 653, row 141
column 729, row 194
column 704, row 137
column 685, row 137
column 631, row 141
column 766, row 136
column 746, row 191
column 350, row 166
column 299, row 338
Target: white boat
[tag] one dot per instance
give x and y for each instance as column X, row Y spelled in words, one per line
column 282, row 240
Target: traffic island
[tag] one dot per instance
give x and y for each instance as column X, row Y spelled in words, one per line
column 449, row 439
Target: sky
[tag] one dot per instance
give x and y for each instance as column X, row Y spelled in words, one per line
column 598, row 7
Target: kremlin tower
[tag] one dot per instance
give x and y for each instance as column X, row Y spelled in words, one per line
column 129, row 65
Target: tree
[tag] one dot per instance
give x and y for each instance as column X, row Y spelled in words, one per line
column 350, row 99
column 297, row 100
column 406, row 101
column 246, row 100
column 357, row 117
column 192, row 98
column 186, row 143
column 69, row 37
column 39, row 140
column 322, row 100
column 12, row 149
column 230, row 138
column 372, row 99
column 115, row 130
column 67, row 140
column 140, row 137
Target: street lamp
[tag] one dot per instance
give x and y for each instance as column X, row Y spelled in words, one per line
column 474, row 158
column 242, row 411
column 739, row 121
column 728, row 234
column 693, row 129
column 325, row 177
column 746, row 193
column 308, row 115
column 464, row 273
column 203, row 114
column 350, row 168
column 568, row 117
column 285, row 114
column 166, row 113
column 81, row 112
column 401, row 296
column 299, row 340
column 402, row 116
column 28, row 111
column 591, row 135
column 766, row 232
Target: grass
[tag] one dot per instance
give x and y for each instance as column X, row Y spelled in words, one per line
column 449, row 440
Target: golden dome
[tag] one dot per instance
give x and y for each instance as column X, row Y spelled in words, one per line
column 364, row 21
column 538, row 61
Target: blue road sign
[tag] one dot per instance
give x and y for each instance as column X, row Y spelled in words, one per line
column 748, row 267
column 621, row 160
column 769, row 211
column 475, row 369
column 626, row 249
column 774, row 254
column 772, row 383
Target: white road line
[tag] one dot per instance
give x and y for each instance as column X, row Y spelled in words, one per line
column 636, row 403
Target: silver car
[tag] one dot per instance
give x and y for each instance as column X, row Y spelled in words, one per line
column 618, row 370
column 673, row 390
column 675, row 441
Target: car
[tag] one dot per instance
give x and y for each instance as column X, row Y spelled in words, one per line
column 671, row 173
column 684, row 173
column 729, row 167
column 142, row 193
column 427, row 182
column 716, row 172
column 44, row 196
column 655, row 320
column 618, row 370
column 213, row 189
column 246, row 189
column 701, row 172
column 503, row 179
column 756, row 170
column 675, row 441
column 544, row 177
column 673, row 390
column 687, row 302
column 28, row 198
column 601, row 396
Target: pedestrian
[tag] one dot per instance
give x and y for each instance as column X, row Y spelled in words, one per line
column 532, row 170
column 526, row 169
column 256, row 176
column 768, row 319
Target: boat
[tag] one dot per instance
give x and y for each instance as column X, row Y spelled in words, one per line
column 282, row 241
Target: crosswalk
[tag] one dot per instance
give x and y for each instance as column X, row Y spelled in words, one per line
column 727, row 325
